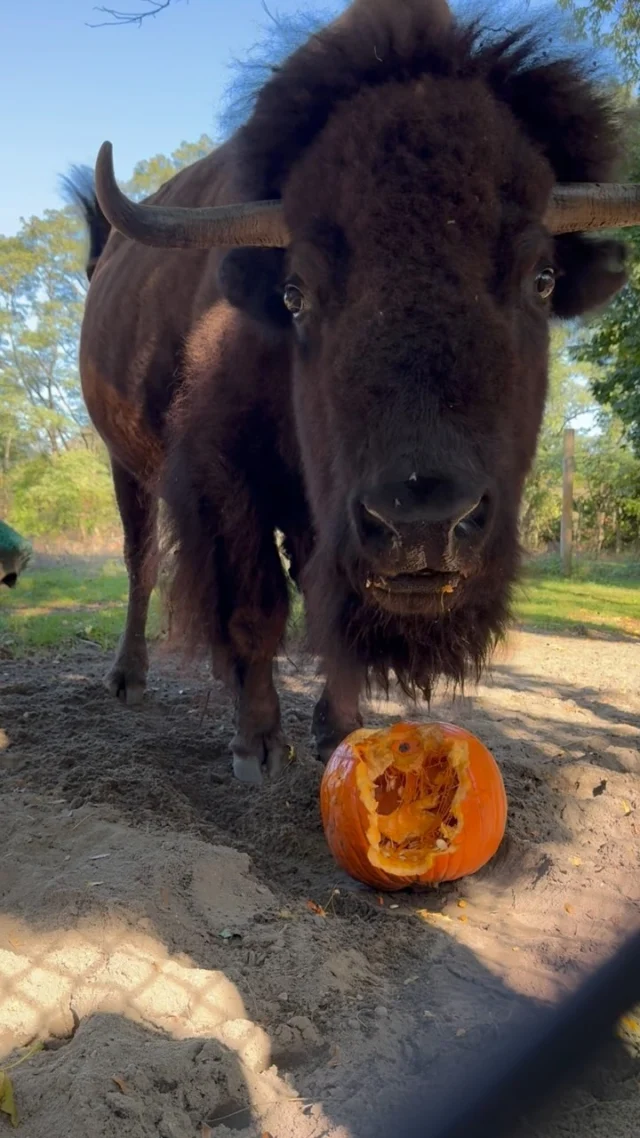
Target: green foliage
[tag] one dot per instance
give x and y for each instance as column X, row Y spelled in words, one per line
column 54, row 477
column 569, row 397
column 614, row 23
column 612, row 340
column 42, row 289
column 68, row 492
column 151, row 173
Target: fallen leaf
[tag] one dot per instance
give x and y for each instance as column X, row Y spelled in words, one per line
column 627, row 808
column 569, row 909
column 575, row 860
column 7, row 1099
column 410, row 980
column 120, row 1083
column 515, row 948
column 313, row 907
column 92, row 884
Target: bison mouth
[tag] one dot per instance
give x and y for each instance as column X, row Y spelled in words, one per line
column 427, row 593
column 426, row 583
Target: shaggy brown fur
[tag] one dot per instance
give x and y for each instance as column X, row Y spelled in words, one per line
column 414, row 161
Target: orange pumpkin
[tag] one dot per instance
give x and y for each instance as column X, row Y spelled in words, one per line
column 412, row 804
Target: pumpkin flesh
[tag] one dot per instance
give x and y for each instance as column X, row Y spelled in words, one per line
column 401, row 805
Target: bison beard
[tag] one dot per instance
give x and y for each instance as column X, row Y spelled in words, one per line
column 414, row 161
column 456, row 644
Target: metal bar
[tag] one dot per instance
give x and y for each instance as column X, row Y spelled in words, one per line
column 524, row 1072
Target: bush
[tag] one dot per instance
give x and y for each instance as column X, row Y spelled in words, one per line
column 67, row 493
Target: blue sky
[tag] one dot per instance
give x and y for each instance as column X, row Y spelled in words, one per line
column 70, row 86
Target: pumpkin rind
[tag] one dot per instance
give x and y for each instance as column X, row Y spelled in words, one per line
column 477, row 807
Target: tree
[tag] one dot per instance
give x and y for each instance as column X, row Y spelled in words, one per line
column 42, row 414
column 42, row 288
column 612, row 341
column 613, row 23
column 609, row 501
column 569, row 397
column 66, row 493
column 149, row 174
column 114, row 16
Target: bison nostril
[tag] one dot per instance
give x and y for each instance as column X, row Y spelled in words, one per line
column 371, row 522
column 475, row 522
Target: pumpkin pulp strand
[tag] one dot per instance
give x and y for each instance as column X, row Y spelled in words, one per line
column 412, row 796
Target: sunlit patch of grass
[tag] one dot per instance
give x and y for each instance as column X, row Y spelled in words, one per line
column 54, row 608
column 580, row 606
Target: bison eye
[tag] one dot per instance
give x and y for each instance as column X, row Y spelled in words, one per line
column 294, row 300
column 545, row 283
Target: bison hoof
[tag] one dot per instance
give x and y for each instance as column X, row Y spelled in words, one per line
column 326, row 746
column 328, row 738
column 127, row 684
column 261, row 759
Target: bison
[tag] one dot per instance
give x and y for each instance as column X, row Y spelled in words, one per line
column 332, row 334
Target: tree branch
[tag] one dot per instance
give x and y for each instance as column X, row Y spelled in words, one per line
column 117, row 17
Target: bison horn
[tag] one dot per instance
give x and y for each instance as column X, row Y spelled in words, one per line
column 178, row 227
column 576, row 208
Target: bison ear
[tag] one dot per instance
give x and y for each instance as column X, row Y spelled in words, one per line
column 253, row 281
column 591, row 272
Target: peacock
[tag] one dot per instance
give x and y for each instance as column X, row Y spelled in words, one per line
column 15, row 554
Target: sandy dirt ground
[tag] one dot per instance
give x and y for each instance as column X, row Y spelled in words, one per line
column 156, row 931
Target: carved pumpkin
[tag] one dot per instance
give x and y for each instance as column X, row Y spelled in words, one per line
column 412, row 804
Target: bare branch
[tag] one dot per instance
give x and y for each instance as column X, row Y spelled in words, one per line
column 117, row 17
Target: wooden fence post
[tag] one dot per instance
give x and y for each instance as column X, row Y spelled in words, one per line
column 566, row 529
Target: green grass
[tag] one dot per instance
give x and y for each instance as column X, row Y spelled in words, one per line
column 601, row 597
column 57, row 607
column 559, row 605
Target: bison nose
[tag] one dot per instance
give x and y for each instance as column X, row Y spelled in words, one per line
column 392, row 514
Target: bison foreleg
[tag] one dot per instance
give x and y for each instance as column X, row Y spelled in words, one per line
column 258, row 748
column 127, row 679
column 255, row 631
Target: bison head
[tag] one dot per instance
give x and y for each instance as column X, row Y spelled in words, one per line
column 414, row 165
